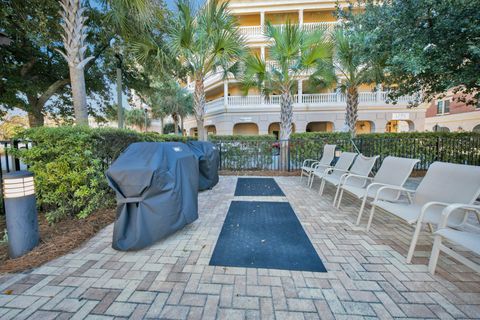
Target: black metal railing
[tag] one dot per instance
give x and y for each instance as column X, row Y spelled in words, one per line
column 265, row 155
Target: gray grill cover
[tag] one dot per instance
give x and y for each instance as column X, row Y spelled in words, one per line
column 209, row 161
column 157, row 187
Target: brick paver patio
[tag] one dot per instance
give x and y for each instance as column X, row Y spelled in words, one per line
column 367, row 276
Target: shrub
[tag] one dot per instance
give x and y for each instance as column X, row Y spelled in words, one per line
column 246, row 152
column 69, row 164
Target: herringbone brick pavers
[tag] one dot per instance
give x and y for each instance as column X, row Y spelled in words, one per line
column 367, row 275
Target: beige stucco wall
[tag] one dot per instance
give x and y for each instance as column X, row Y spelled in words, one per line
column 318, row 16
column 455, row 122
column 249, row 20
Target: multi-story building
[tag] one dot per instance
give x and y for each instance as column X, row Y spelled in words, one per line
column 228, row 111
column 450, row 113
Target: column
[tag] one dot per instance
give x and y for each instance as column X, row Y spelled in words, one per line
column 300, row 17
column 262, row 21
column 300, row 91
column 262, row 52
column 225, row 93
column 379, row 92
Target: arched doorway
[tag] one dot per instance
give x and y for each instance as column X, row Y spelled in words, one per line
column 210, row 129
column 245, row 129
column 437, row 128
column 399, row 126
column 274, row 128
column 320, row 126
column 476, row 128
column 364, row 127
column 193, row 132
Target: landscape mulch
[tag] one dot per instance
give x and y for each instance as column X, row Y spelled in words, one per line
column 56, row 240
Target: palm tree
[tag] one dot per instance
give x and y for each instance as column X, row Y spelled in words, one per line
column 73, row 40
column 205, row 42
column 137, row 118
column 132, row 17
column 353, row 69
column 293, row 51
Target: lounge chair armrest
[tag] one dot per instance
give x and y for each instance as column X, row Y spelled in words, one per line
column 428, row 205
column 318, row 165
column 352, row 175
column 391, row 187
column 306, row 161
column 453, row 207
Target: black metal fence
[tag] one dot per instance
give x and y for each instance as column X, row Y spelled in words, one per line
column 265, row 155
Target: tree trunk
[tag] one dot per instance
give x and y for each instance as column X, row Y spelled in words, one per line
column 286, row 117
column 175, row 124
column 181, row 125
column 161, row 125
column 34, row 111
column 77, row 80
column 199, row 107
column 351, row 113
column 35, row 118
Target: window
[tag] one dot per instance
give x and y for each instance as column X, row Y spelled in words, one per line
column 443, row 106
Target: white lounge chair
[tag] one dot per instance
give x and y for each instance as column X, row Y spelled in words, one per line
column 361, row 166
column 443, row 185
column 465, row 238
column 309, row 165
column 394, row 171
column 342, row 165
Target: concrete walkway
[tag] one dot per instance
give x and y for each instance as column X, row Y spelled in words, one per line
column 367, row 276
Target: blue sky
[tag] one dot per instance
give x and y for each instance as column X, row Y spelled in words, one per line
column 171, row 3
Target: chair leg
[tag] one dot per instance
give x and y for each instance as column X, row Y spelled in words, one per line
column 413, row 244
column 322, row 186
column 430, row 227
column 340, row 199
column 362, row 207
column 336, row 195
column 311, row 181
column 372, row 212
column 432, row 264
column 301, row 175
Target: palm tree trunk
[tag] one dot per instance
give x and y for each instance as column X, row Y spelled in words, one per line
column 77, row 80
column 286, row 117
column 73, row 41
column 181, row 124
column 351, row 114
column 161, row 125
column 199, row 107
column 175, row 124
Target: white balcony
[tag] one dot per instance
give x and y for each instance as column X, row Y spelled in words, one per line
column 257, row 103
column 256, row 31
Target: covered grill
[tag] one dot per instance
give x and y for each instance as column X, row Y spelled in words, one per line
column 208, row 161
column 157, row 187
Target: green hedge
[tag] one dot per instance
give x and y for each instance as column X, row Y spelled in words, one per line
column 266, row 137
column 455, row 147
column 69, row 165
column 246, row 152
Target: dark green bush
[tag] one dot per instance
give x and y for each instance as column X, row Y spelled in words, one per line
column 69, row 164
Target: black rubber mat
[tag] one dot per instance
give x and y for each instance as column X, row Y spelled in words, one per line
column 257, row 187
column 261, row 234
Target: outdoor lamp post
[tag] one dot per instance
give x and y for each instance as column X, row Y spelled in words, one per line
column 20, row 212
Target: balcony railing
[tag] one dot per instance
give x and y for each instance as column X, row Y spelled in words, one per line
column 319, row 99
column 255, row 31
